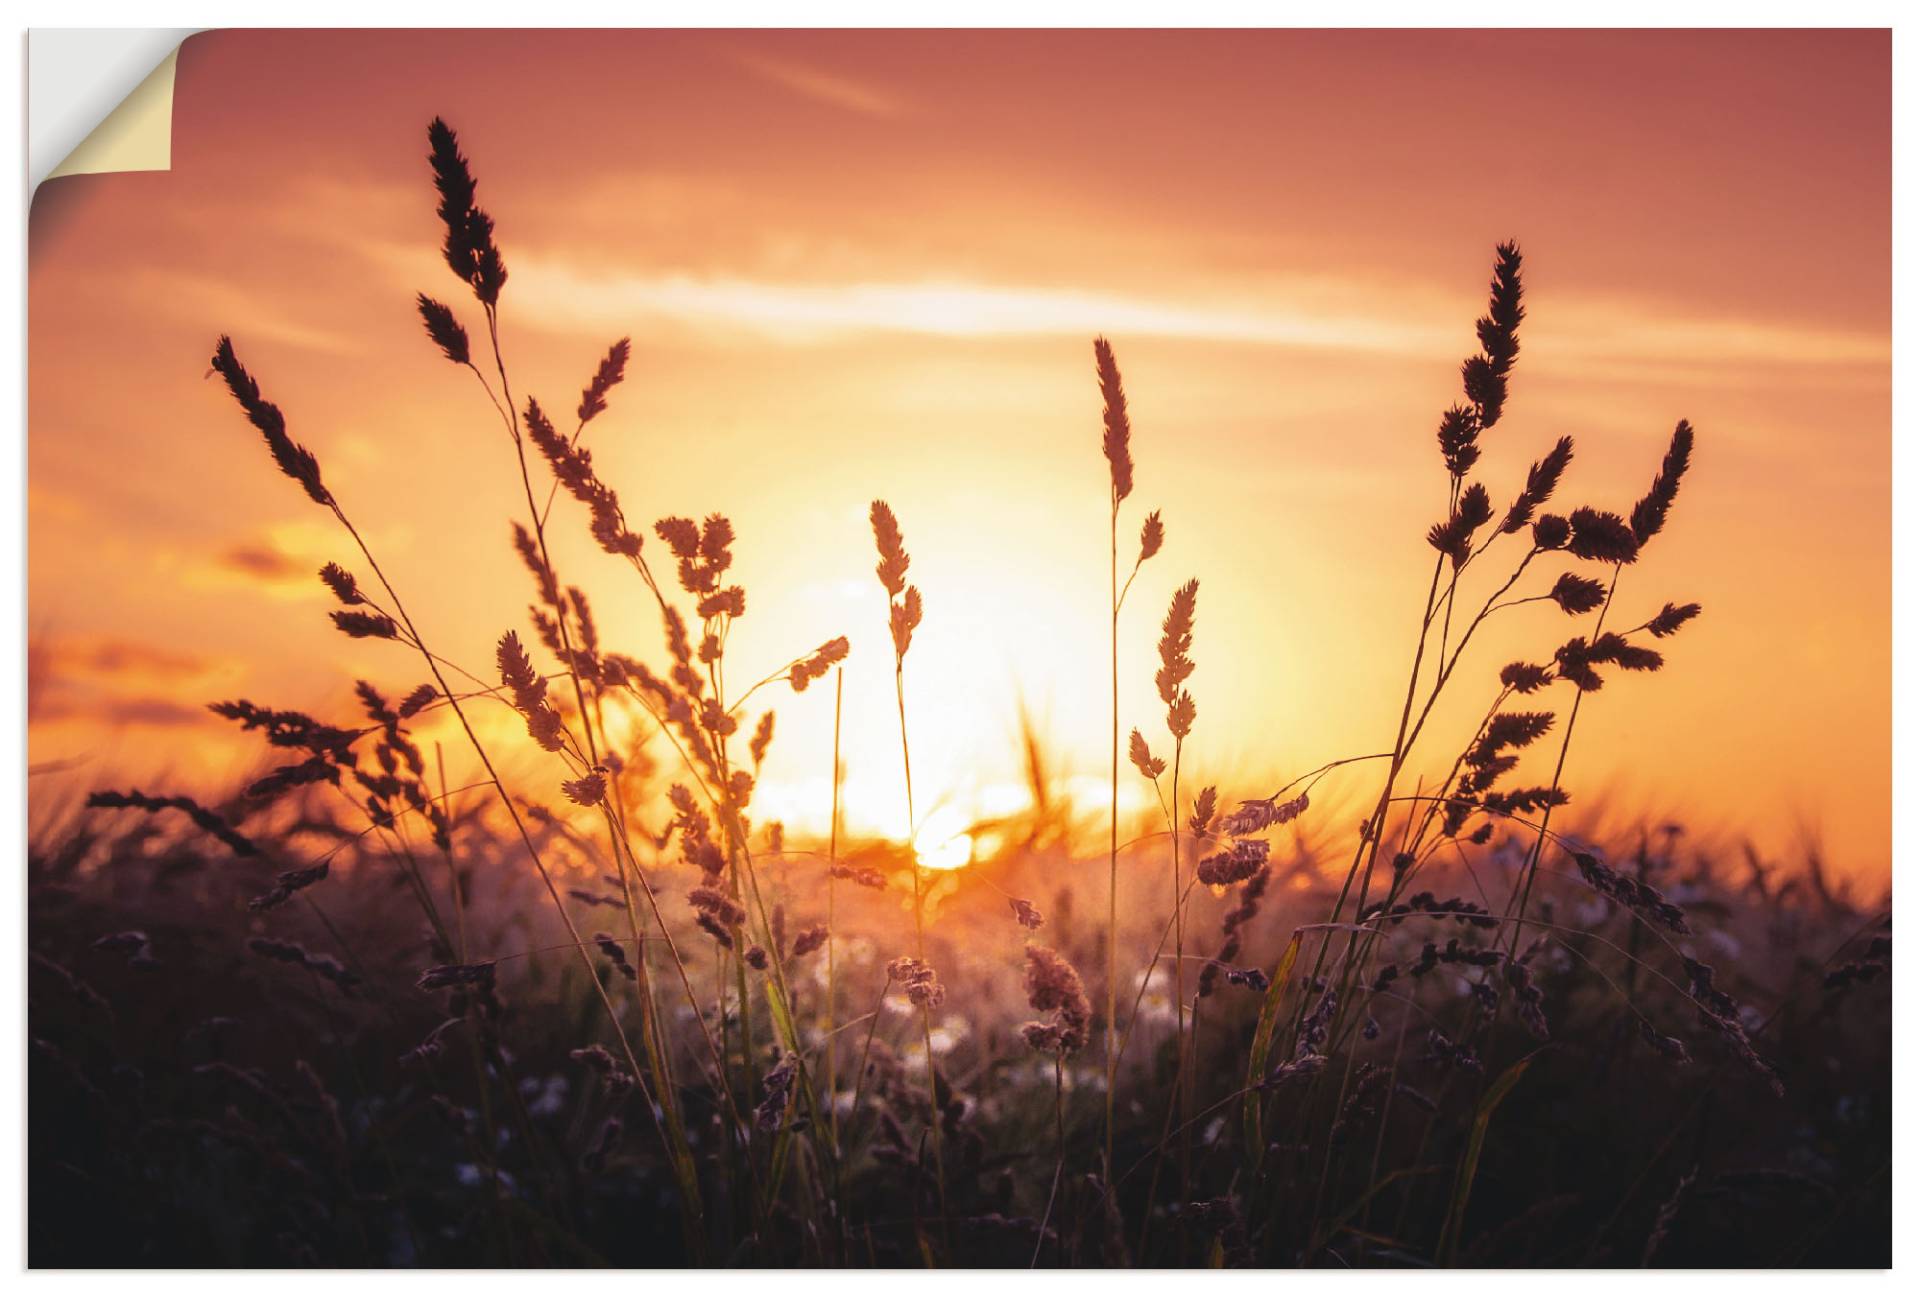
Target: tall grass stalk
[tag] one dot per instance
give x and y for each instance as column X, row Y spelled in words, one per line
column 297, row 463
column 903, row 618
column 474, row 258
column 830, row 1007
column 1116, row 444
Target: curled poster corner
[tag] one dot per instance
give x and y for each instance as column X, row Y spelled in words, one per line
column 75, row 74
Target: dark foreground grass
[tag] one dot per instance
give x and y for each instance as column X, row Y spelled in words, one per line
column 197, row 1101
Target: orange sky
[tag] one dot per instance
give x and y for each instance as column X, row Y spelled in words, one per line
column 859, row 264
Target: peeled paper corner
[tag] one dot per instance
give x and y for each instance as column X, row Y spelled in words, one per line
column 137, row 135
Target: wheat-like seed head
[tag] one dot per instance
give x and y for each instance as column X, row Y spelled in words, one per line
column 1577, row 594
column 1053, row 986
column 1116, row 430
column 894, row 559
column 343, row 585
column 1671, row 618
column 295, row 460
column 1153, row 534
column 903, row 601
column 1176, row 641
column 1650, row 513
column 445, row 331
column 1142, row 757
column 612, row 369
column 1599, row 535
column 469, row 248
column 1543, row 477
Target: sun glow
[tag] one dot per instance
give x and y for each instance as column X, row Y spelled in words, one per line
column 943, row 841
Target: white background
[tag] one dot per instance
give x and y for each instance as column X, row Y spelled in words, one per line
column 76, row 76
column 1753, row 13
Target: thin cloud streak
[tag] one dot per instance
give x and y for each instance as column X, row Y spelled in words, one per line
column 818, row 85
column 195, row 298
column 1600, row 335
column 559, row 297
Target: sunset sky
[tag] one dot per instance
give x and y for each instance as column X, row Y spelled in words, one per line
column 863, row 264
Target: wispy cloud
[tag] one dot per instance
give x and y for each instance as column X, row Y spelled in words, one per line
column 818, row 84
column 280, row 563
column 115, row 680
column 112, row 656
column 162, row 712
column 262, row 561
column 202, row 300
column 558, row 296
column 1595, row 337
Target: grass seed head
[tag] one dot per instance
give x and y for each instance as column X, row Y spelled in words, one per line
column 1116, row 433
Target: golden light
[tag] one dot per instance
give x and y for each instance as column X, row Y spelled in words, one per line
column 943, row 841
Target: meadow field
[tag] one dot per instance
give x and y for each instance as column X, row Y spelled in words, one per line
column 395, row 1001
